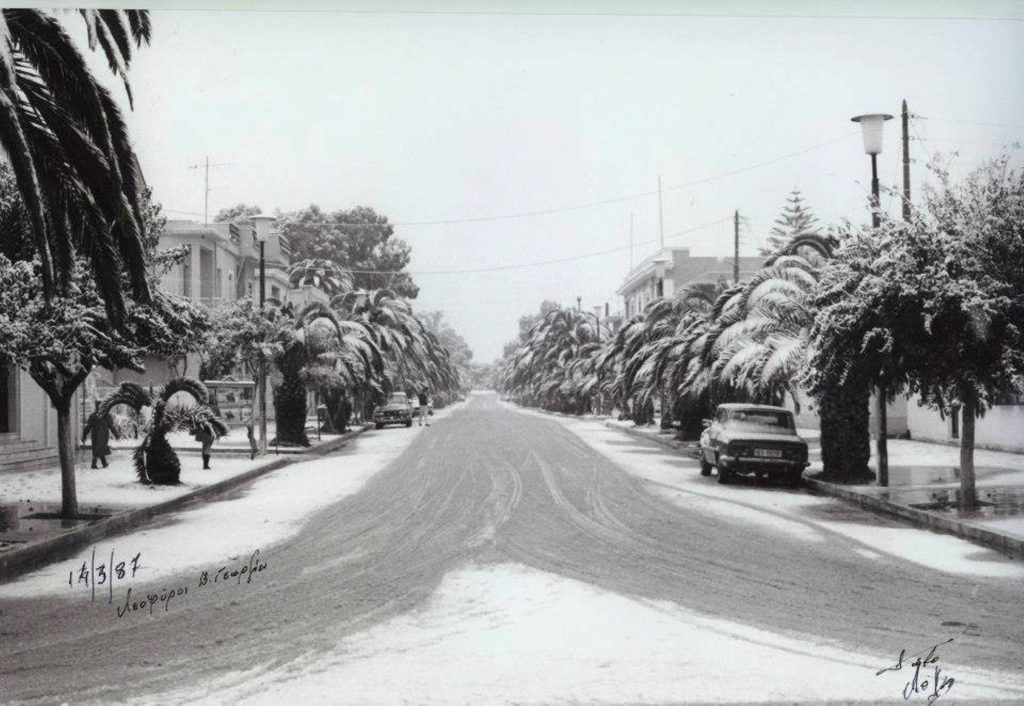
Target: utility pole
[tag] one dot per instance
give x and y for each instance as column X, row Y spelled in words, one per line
column 906, row 162
column 736, row 247
column 206, row 184
column 661, row 219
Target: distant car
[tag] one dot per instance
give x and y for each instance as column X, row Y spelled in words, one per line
column 397, row 410
column 759, row 439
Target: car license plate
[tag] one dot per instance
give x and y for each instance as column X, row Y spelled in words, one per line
column 768, row 453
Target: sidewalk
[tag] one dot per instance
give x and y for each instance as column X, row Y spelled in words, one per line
column 235, row 443
column 924, row 486
column 111, row 500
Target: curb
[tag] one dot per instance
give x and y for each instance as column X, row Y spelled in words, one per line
column 1010, row 546
column 23, row 559
column 1004, row 544
column 658, row 438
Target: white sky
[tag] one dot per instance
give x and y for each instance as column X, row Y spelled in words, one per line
column 446, row 116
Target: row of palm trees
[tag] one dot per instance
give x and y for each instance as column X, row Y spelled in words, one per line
column 744, row 341
column 353, row 351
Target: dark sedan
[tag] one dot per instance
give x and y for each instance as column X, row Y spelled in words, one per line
column 397, row 410
column 758, row 439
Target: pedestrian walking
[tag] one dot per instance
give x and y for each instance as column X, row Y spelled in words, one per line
column 422, row 395
column 99, row 428
column 204, row 435
column 251, row 434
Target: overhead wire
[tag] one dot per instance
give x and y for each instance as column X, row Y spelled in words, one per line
column 575, row 207
column 539, row 263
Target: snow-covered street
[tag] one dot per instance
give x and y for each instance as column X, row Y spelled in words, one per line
column 503, row 556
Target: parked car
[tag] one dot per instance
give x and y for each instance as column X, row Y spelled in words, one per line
column 751, row 438
column 397, row 410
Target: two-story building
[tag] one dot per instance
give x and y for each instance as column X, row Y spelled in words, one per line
column 674, row 268
column 222, row 265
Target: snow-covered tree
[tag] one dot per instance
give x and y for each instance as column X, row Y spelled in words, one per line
column 796, row 221
column 936, row 303
column 60, row 340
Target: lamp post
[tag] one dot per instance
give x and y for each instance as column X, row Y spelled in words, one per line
column 262, row 225
column 871, row 126
column 871, row 130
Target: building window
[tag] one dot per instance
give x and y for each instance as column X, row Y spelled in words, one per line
column 275, row 292
column 218, row 284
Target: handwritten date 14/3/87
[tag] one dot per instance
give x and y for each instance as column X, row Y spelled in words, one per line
column 228, row 575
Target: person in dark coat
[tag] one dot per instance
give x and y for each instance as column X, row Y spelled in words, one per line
column 250, row 432
column 422, row 398
column 98, row 430
column 205, row 437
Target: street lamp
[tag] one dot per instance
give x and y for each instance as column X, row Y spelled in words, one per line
column 261, row 228
column 871, row 129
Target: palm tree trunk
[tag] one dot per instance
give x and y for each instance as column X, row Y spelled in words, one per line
column 290, row 410
column 66, row 452
column 968, row 491
column 162, row 464
column 666, row 410
column 881, row 443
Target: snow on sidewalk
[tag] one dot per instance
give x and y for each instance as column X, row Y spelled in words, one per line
column 507, row 633
column 271, row 509
column 116, row 485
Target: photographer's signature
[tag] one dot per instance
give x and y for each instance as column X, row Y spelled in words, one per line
column 928, row 679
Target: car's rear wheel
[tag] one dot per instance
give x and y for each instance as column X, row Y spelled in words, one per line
column 795, row 479
column 379, row 425
column 408, row 423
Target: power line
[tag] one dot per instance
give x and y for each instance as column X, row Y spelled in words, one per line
column 969, row 122
column 539, row 263
column 581, row 206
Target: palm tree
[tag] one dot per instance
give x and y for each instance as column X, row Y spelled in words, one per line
column 556, row 367
column 155, row 460
column 316, row 335
column 648, row 347
column 760, row 353
column 323, row 274
column 415, row 357
column 68, row 146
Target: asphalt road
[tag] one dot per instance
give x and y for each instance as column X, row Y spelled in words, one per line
column 487, row 484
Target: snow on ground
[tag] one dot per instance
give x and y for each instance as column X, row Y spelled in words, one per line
column 510, row 634
column 117, row 485
column 207, row 534
column 794, row 513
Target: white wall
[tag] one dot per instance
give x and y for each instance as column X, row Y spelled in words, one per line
column 1002, row 427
